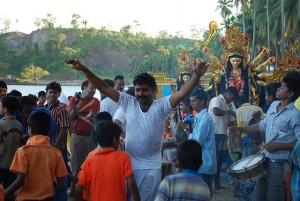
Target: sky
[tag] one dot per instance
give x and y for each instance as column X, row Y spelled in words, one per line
column 152, row 15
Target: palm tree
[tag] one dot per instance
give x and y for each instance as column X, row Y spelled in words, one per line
column 224, row 7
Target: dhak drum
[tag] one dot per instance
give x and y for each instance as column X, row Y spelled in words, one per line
column 251, row 167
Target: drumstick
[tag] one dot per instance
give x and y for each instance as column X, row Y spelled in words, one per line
column 260, row 150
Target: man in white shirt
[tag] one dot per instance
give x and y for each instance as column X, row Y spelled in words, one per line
column 219, row 110
column 145, row 118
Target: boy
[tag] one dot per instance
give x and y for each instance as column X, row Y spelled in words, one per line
column 104, row 172
column 37, row 163
column 41, row 98
column 189, row 184
column 11, row 131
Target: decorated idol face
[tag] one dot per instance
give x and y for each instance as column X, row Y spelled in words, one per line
column 235, row 62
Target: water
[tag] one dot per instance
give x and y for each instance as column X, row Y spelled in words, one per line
column 34, row 89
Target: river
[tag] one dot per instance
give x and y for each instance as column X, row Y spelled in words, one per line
column 34, row 89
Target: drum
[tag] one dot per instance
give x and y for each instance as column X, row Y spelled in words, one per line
column 166, row 168
column 251, row 167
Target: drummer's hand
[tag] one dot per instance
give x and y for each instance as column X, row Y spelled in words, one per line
column 234, row 131
column 76, row 64
column 270, row 147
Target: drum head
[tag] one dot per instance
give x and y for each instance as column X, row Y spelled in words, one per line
column 246, row 163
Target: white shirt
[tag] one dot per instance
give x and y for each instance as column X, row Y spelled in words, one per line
column 120, row 115
column 220, row 122
column 108, row 105
column 144, row 131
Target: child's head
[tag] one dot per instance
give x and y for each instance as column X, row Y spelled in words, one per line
column 39, row 123
column 9, row 105
column 108, row 134
column 102, row 116
column 189, row 155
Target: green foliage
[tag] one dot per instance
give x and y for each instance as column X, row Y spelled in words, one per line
column 33, row 73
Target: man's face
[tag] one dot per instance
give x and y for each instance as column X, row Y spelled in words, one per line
column 52, row 96
column 231, row 97
column 119, row 85
column 42, row 99
column 269, row 98
column 144, row 94
column 196, row 103
column 90, row 89
column 3, row 91
column 283, row 93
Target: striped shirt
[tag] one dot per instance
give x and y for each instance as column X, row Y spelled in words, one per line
column 187, row 185
column 62, row 119
column 285, row 123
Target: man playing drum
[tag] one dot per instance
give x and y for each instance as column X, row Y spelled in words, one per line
column 282, row 126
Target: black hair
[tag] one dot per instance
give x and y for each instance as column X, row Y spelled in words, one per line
column 109, row 82
column 34, row 97
column 3, row 84
column 15, row 92
column 271, row 89
column 11, row 103
column 106, row 132
column 39, row 122
column 234, row 91
column 187, row 102
column 145, row 78
column 292, row 81
column 41, row 93
column 200, row 95
column 119, row 77
column 102, row 116
column 189, row 155
column 27, row 100
column 84, row 84
column 54, row 86
column 130, row 91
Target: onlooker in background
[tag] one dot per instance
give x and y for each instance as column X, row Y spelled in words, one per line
column 60, row 113
column 271, row 90
column 219, row 110
column 37, row 163
column 189, row 184
column 42, row 98
column 107, row 166
column 81, row 107
column 63, row 99
column 107, row 104
column 34, row 97
column 3, row 88
column 109, row 83
column 15, row 93
column 119, row 83
column 11, row 131
column 203, row 133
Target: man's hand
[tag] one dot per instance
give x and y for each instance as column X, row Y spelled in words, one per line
column 270, row 147
column 200, row 67
column 76, row 64
column 234, row 131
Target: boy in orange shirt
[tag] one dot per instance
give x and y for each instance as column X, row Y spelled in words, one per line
column 37, row 163
column 104, row 172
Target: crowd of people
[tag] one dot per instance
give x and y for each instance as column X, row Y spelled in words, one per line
column 115, row 150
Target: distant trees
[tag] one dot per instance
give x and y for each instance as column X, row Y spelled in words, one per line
column 33, row 74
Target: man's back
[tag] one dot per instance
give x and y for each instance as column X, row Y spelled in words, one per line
column 40, row 163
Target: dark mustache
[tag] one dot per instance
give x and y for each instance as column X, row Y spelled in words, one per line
column 142, row 97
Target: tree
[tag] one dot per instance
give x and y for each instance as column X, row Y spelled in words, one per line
column 224, row 7
column 33, row 73
column 74, row 21
column 6, row 24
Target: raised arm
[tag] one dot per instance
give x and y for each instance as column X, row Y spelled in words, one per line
column 96, row 81
column 199, row 70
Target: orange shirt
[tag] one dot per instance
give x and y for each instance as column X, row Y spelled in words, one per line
column 40, row 163
column 2, row 194
column 104, row 172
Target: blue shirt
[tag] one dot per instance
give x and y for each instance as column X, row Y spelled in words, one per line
column 203, row 133
column 295, row 181
column 285, row 123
